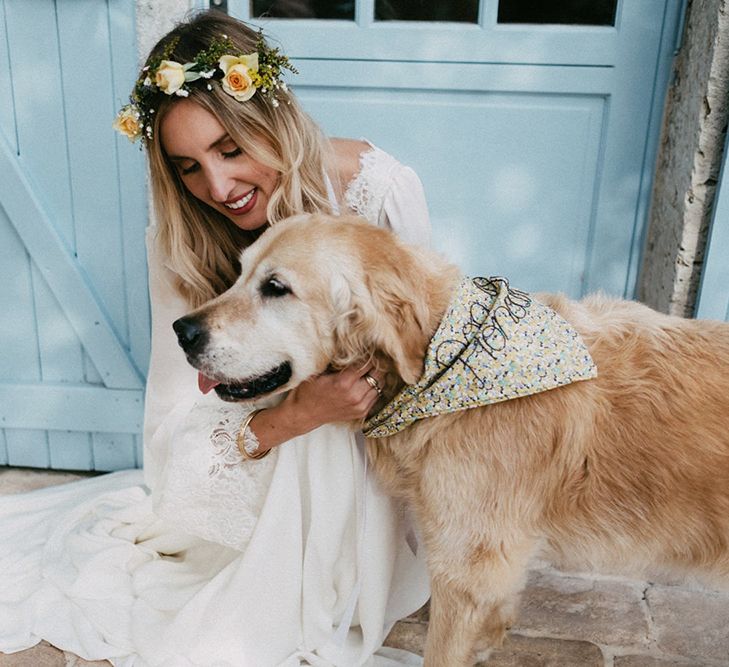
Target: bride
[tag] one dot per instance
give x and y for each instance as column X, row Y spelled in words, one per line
column 252, row 537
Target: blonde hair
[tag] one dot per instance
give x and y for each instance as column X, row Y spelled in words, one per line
column 201, row 245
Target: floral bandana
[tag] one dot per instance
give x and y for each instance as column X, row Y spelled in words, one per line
column 494, row 343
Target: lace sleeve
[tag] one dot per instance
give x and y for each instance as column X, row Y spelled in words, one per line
column 207, row 488
column 366, row 192
column 389, row 194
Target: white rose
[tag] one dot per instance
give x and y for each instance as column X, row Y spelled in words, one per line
column 170, row 76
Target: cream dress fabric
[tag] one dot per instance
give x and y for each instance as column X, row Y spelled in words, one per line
column 296, row 559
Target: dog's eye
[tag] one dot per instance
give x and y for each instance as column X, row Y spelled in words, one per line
column 273, row 287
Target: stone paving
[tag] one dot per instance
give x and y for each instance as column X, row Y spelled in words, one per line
column 566, row 619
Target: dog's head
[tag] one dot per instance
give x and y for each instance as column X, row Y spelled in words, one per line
column 317, row 292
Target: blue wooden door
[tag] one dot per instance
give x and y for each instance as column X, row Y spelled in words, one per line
column 714, row 292
column 535, row 143
column 532, row 125
column 75, row 329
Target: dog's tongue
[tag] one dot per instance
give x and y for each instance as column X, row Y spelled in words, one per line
column 205, row 383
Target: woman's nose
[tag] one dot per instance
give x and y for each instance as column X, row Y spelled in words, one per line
column 219, row 184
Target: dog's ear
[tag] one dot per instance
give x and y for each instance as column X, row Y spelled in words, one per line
column 401, row 330
column 383, row 311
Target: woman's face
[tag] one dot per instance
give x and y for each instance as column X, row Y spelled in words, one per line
column 213, row 168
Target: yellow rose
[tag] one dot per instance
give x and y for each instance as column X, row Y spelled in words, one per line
column 170, row 76
column 237, row 80
column 127, row 123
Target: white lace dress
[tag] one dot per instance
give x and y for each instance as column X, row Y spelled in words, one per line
column 296, row 559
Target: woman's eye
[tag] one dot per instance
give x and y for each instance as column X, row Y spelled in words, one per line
column 189, row 170
column 273, row 287
column 234, row 153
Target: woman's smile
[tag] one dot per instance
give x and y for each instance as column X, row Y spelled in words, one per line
column 241, row 205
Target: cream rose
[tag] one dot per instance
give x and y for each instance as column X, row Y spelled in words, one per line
column 237, row 80
column 127, row 123
column 170, row 76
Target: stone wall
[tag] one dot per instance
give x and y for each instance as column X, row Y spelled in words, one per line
column 155, row 18
column 689, row 160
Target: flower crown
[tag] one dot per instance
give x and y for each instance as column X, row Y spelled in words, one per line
column 240, row 75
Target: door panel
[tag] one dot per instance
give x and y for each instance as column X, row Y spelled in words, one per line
column 486, row 40
column 73, row 213
column 509, row 199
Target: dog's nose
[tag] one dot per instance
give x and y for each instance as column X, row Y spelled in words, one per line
column 191, row 335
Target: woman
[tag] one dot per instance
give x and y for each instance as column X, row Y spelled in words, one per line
column 263, row 540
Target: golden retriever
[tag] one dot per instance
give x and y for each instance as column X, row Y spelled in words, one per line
column 627, row 471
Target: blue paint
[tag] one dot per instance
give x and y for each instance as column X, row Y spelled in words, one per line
column 65, row 406
column 713, row 302
column 70, row 450
column 72, row 218
column 27, row 448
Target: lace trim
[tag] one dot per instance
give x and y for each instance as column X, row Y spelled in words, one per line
column 365, row 194
column 211, row 491
column 226, row 454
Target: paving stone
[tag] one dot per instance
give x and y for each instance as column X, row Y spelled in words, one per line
column 407, row 635
column 651, row 661
column 74, row 661
column 689, row 623
column 422, row 615
column 41, row 655
column 45, row 655
column 20, row 480
column 520, row 651
column 603, row 612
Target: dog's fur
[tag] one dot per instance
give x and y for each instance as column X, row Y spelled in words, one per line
column 627, row 471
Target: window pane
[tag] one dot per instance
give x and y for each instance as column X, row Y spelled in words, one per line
column 304, row 9
column 573, row 12
column 427, row 10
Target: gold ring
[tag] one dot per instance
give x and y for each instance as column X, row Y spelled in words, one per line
column 373, row 383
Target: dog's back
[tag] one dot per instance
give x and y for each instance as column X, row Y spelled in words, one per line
column 652, row 478
column 628, row 471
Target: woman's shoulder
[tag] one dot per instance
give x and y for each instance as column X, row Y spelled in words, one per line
column 365, row 174
column 348, row 158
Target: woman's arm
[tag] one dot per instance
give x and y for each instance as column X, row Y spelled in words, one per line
column 333, row 397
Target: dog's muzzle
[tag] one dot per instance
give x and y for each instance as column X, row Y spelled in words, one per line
column 193, row 337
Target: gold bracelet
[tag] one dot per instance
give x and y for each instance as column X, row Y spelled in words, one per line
column 241, row 440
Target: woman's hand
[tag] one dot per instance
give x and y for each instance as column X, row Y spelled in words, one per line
column 343, row 396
